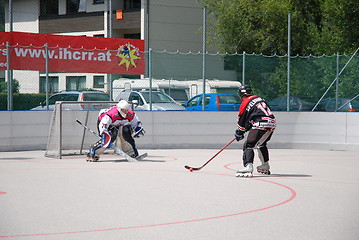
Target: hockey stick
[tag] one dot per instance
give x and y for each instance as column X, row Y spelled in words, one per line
column 199, row 168
column 88, row 129
column 91, row 131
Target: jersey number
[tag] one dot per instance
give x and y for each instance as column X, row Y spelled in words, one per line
column 265, row 109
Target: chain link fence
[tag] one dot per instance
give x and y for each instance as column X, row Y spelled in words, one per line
column 298, row 86
column 311, row 78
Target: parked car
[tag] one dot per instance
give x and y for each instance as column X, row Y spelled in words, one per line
column 141, row 100
column 344, row 104
column 295, row 104
column 77, row 96
column 214, row 102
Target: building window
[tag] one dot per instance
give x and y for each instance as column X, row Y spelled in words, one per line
column 49, row 7
column 99, row 81
column 53, row 84
column 133, row 35
column 75, row 83
column 132, row 4
column 74, row 6
column 98, row 1
column 99, row 35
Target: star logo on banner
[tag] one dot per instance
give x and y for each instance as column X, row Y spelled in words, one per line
column 128, row 55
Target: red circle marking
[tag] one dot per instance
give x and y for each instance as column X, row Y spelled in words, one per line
column 293, row 195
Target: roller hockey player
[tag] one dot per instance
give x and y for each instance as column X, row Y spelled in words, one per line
column 120, row 123
column 256, row 118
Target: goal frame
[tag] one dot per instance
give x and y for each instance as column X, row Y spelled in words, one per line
column 55, row 144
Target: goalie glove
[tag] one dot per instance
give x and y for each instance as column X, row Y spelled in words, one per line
column 239, row 134
column 139, row 131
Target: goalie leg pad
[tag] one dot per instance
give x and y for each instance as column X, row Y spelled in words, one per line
column 106, row 140
column 127, row 142
column 127, row 133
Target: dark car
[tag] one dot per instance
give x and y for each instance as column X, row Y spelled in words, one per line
column 344, row 105
column 67, row 96
column 214, row 102
column 295, row 104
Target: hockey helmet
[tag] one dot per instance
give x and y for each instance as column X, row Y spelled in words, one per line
column 123, row 105
column 244, row 90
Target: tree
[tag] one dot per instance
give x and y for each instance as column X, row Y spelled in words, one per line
column 15, row 86
column 317, row 27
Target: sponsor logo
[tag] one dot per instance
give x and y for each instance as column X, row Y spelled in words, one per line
column 129, row 56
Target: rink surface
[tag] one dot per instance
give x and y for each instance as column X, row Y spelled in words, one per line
column 311, row 194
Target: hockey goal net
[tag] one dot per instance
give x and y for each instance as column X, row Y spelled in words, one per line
column 68, row 137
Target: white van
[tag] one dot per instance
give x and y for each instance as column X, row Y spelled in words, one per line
column 142, row 99
column 178, row 90
column 121, row 84
column 213, row 86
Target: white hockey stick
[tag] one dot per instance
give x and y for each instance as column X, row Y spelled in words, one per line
column 88, row 129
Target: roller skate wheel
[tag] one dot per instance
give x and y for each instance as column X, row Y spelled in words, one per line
column 246, row 175
column 267, row 172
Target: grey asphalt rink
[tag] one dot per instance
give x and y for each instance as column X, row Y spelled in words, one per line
column 311, row 194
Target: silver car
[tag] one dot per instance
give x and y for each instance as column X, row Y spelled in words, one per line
column 141, row 100
column 81, row 96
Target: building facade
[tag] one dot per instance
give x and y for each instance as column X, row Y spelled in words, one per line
column 171, row 25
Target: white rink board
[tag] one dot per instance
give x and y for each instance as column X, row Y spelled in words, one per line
column 28, row 130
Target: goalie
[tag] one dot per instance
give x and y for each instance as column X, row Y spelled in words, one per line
column 118, row 121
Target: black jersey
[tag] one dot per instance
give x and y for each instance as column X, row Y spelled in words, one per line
column 254, row 109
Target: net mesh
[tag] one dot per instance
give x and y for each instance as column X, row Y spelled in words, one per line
column 66, row 136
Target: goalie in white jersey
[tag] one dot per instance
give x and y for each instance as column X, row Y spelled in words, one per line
column 121, row 122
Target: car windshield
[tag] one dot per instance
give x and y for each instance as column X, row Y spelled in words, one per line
column 96, row 97
column 346, row 104
column 63, row 97
column 229, row 99
column 157, row 97
column 355, row 104
column 177, row 94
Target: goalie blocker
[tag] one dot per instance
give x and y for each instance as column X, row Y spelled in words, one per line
column 120, row 123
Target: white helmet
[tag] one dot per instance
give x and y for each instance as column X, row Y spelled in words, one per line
column 123, row 104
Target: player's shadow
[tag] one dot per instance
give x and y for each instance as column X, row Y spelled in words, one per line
column 125, row 160
column 284, row 175
column 15, row 158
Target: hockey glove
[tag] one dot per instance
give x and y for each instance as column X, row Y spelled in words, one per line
column 239, row 134
column 139, row 131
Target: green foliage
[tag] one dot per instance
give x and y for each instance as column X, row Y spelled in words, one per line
column 317, row 26
column 21, row 101
column 15, row 86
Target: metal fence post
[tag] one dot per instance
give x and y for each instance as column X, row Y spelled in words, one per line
column 204, row 59
column 150, row 75
column 337, row 85
column 47, row 75
column 288, row 65
column 244, row 68
column 9, row 78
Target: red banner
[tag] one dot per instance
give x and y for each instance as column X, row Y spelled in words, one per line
column 72, row 53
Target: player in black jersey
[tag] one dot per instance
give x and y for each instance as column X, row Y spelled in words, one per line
column 256, row 118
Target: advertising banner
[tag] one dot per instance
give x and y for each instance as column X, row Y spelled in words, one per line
column 79, row 54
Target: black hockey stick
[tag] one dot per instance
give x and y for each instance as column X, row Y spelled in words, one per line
column 199, row 168
column 91, row 131
column 88, row 129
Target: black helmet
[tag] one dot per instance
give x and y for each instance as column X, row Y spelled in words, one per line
column 244, row 90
